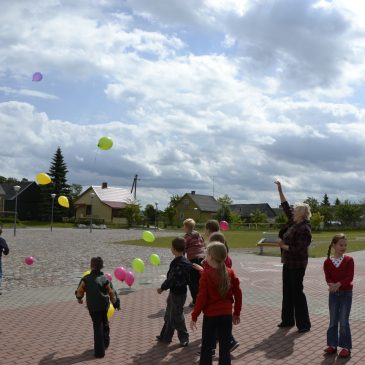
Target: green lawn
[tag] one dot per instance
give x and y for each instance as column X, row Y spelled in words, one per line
column 248, row 240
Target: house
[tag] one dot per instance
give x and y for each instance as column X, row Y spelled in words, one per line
column 199, row 207
column 246, row 210
column 28, row 200
column 106, row 206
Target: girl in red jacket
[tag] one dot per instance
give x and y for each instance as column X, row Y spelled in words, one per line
column 219, row 288
column 339, row 272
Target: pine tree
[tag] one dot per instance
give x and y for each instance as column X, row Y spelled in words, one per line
column 57, row 172
column 325, row 201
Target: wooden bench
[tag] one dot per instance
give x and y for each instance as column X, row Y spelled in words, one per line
column 269, row 241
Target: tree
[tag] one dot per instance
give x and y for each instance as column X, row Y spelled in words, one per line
column 132, row 212
column 236, row 219
column 325, row 201
column 75, row 191
column 258, row 217
column 348, row 213
column 223, row 214
column 225, row 200
column 57, row 172
column 170, row 211
column 150, row 214
column 317, row 221
column 327, row 213
column 313, row 203
column 337, row 201
column 280, row 220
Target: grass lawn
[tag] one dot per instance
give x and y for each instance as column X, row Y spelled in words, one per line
column 248, row 240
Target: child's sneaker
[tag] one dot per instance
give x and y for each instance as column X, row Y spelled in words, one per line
column 344, row 353
column 330, row 350
column 233, row 346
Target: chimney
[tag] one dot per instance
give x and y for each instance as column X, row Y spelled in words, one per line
column 193, row 192
column 104, row 185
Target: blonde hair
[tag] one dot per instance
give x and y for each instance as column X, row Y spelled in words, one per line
column 335, row 239
column 190, row 223
column 218, row 252
column 304, row 209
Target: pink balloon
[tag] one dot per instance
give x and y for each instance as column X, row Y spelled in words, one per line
column 224, row 226
column 37, row 76
column 120, row 273
column 29, row 260
column 108, row 276
column 129, row 278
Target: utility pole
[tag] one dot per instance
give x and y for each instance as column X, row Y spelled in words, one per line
column 134, row 186
column 213, row 184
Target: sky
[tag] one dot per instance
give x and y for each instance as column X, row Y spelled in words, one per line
column 196, row 95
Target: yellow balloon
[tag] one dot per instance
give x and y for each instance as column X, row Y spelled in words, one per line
column 111, row 311
column 63, row 201
column 86, row 273
column 43, row 179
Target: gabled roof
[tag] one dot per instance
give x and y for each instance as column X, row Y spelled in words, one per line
column 206, row 203
column 245, row 210
column 113, row 197
column 9, row 191
column 2, row 192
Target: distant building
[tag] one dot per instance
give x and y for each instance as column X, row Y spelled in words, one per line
column 197, row 206
column 107, row 204
column 29, row 199
column 246, row 210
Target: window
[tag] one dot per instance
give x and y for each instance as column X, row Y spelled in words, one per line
column 88, row 210
column 186, row 202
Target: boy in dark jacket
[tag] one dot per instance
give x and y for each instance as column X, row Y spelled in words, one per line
column 177, row 281
column 3, row 248
column 98, row 290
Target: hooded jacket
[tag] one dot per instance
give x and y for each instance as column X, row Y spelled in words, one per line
column 177, row 277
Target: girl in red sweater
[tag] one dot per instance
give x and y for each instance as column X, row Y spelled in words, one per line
column 219, row 288
column 339, row 272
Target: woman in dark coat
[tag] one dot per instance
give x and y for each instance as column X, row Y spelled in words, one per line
column 295, row 240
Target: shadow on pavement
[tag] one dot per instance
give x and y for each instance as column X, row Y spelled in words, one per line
column 161, row 313
column 158, row 352
column 85, row 356
column 333, row 359
column 279, row 345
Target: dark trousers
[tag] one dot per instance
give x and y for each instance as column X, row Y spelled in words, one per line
column 101, row 332
column 221, row 325
column 294, row 307
column 194, row 279
column 174, row 319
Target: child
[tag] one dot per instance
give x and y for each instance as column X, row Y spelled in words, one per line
column 177, row 280
column 211, row 226
column 98, row 291
column 339, row 272
column 218, row 287
column 219, row 237
column 195, row 252
column 3, row 249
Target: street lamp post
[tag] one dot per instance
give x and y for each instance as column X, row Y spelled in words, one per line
column 91, row 211
column 156, row 204
column 53, row 195
column 16, row 188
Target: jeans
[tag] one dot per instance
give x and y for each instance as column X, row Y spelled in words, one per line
column 294, row 305
column 221, row 325
column 174, row 319
column 194, row 279
column 339, row 304
column 101, row 332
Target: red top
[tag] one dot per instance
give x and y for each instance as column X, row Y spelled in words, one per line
column 228, row 262
column 343, row 274
column 210, row 301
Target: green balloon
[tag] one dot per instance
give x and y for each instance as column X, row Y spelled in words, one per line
column 138, row 265
column 148, row 236
column 105, row 143
column 155, row 259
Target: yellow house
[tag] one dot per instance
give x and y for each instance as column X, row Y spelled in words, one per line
column 199, row 207
column 105, row 204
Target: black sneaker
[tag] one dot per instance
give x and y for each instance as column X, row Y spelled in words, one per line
column 284, row 325
column 160, row 339
column 304, row 330
column 234, row 345
column 184, row 343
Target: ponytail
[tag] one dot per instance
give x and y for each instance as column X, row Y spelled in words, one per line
column 329, row 251
column 224, row 282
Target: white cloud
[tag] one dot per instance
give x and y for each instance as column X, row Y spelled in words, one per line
column 26, row 92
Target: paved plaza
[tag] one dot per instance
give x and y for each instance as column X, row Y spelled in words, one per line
column 42, row 324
